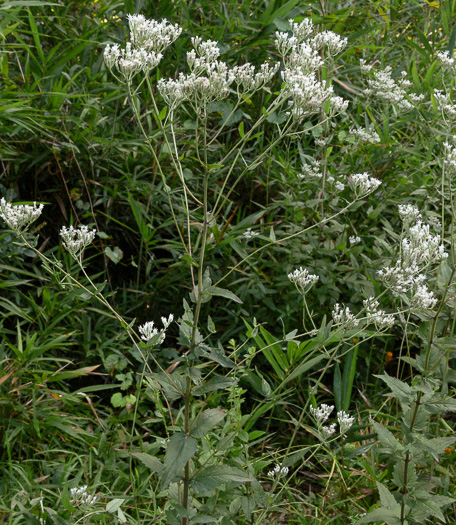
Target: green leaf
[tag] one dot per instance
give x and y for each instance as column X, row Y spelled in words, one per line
column 399, row 389
column 113, row 505
column 387, row 498
column 216, row 475
column 381, row 514
column 386, row 438
column 216, row 383
column 303, row 367
column 206, row 421
column 241, row 129
column 115, row 255
column 179, row 451
column 173, row 384
column 151, row 462
column 221, row 292
column 163, row 113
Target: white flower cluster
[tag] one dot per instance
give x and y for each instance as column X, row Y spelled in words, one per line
column 332, row 42
column 329, row 430
column 374, row 315
column 150, row 333
column 409, row 213
column 301, row 61
column 208, row 81
column 307, row 94
column 365, row 68
column 82, row 496
column 151, row 35
column 354, row 240
column 365, row 135
column 344, row 317
column 311, row 170
column 447, row 62
column 345, row 421
column 250, row 234
column 278, row 472
column 148, row 38
column 76, row 240
column 449, row 159
column 322, row 412
column 363, row 184
column 249, row 81
column 419, row 250
column 20, row 216
column 302, row 279
column 385, row 88
column 445, row 105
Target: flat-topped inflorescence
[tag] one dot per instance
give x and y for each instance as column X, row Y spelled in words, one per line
column 19, row 217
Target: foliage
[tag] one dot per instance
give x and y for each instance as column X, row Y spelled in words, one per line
column 185, row 430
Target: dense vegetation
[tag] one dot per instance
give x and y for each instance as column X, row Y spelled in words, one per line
column 264, row 231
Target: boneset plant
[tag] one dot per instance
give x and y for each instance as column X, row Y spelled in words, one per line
column 206, row 473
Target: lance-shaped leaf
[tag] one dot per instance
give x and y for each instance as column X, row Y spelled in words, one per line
column 215, row 475
column 151, row 462
column 216, row 383
column 206, row 421
column 179, row 451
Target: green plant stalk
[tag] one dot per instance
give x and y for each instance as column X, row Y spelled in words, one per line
column 404, row 489
column 195, row 321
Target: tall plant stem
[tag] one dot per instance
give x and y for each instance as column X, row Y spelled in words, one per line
column 195, row 327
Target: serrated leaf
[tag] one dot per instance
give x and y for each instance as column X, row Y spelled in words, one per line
column 400, row 390
column 381, row 514
column 151, row 462
column 387, row 499
column 215, row 475
column 216, row 383
column 173, row 385
column 386, row 438
column 206, row 421
column 221, row 292
column 179, row 451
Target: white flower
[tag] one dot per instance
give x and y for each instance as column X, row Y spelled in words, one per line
column 322, row 412
column 332, row 42
column 345, row 421
column 149, row 332
column 365, row 135
column 409, row 213
column 363, row 184
column 447, row 62
column 249, row 234
column 278, row 471
column 307, row 94
column 301, row 30
column 82, row 496
column 354, row 239
column 384, row 87
column 344, row 317
column 152, row 35
column 20, row 216
column 449, row 159
column 329, row 430
column 339, row 186
column 445, row 105
column 311, row 170
column 302, row 279
column 377, row 316
column 76, row 240
column 249, row 81
column 422, row 298
column 365, row 68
